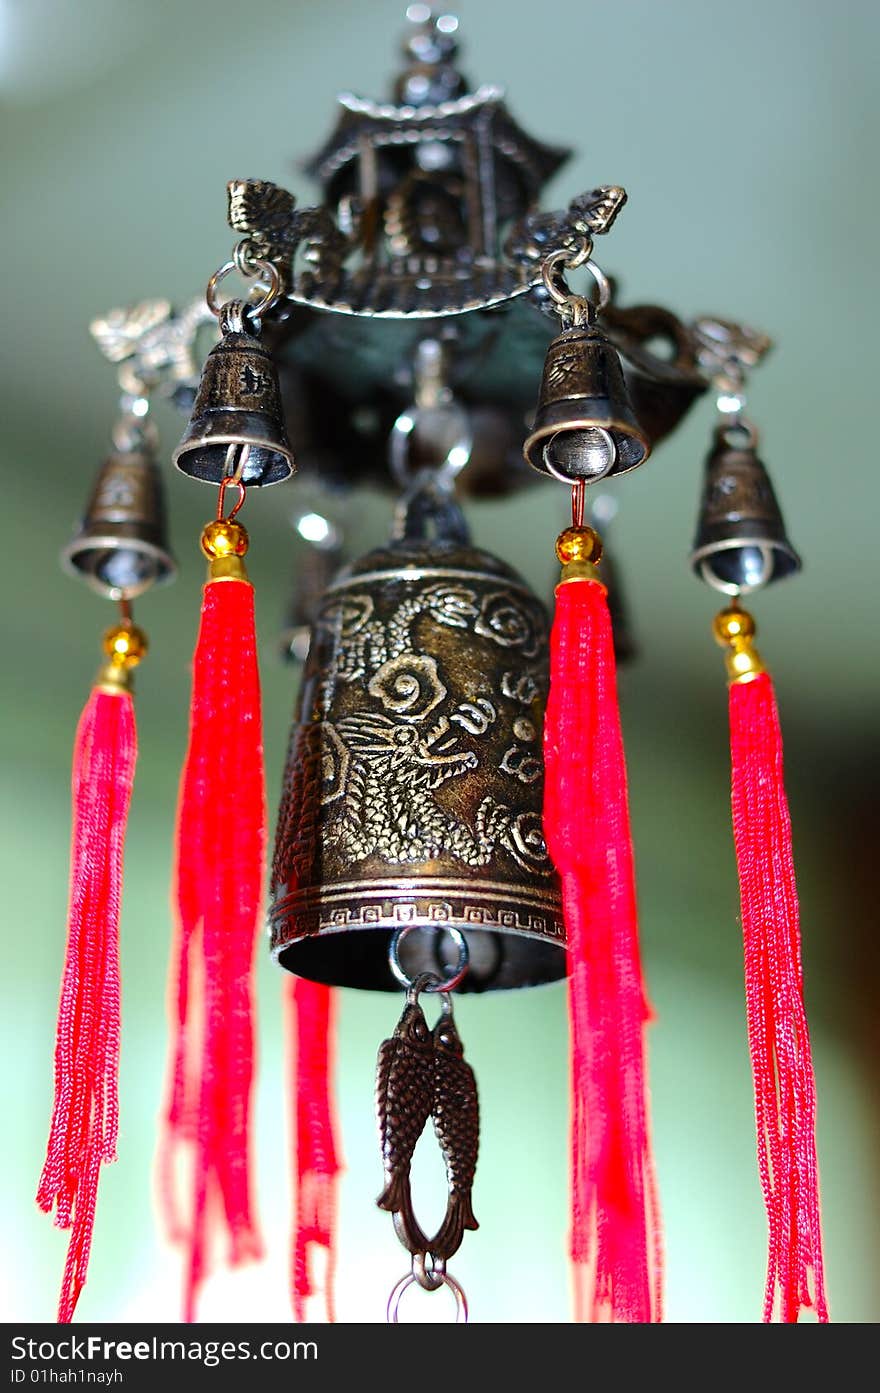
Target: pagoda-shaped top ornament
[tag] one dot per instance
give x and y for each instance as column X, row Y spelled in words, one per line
column 427, row 198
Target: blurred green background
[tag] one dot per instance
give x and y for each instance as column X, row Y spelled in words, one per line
column 746, row 137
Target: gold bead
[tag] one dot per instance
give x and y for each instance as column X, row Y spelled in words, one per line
column 732, row 624
column 224, row 538
column 579, row 544
column 125, row 645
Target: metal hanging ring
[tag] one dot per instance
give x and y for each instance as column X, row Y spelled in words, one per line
column 247, row 262
column 424, row 982
column 444, row 471
column 551, row 274
column 433, row 983
column 428, row 1278
column 565, row 259
column 266, row 300
column 738, row 432
column 461, row 1307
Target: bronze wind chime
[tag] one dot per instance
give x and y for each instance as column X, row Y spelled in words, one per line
column 454, row 812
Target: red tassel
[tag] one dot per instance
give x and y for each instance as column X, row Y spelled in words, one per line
column 221, row 842
column 779, row 1041
column 615, row 1237
column 311, row 1009
column 85, row 1117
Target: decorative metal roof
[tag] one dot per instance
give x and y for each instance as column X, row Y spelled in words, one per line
column 483, row 112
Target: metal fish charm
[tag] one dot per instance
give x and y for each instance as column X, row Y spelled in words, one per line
column 456, row 1117
column 404, row 1098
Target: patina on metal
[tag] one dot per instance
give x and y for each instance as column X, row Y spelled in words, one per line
column 404, row 1099
column 414, row 779
column 157, row 347
column 741, row 544
column 429, row 226
column 456, row 1117
column 584, row 428
column 237, row 423
column 121, row 545
column 422, row 1073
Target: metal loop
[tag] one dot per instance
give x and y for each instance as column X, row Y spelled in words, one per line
column 733, row 425
column 575, row 311
column 392, row 1311
column 568, row 258
column 224, row 484
column 266, row 300
column 444, row 471
column 578, row 498
column 233, row 468
column 428, row 1278
column 433, row 982
column 564, row 298
column 424, row 982
column 232, row 318
column 247, row 263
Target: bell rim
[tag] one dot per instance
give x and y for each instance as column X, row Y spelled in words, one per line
column 553, row 945
column 540, row 435
column 205, row 441
column 167, row 571
column 703, row 553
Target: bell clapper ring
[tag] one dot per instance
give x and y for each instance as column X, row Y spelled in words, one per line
column 428, row 981
column 438, row 1277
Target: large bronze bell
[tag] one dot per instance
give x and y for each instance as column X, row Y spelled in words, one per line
column 584, row 428
column 741, row 543
column 121, row 548
column 413, row 788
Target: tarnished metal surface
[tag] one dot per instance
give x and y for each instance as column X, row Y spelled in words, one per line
column 428, row 269
column 414, row 779
column 238, row 405
column 155, row 345
column 583, row 390
column 456, row 1117
column 741, row 543
column 404, row 1098
column 121, row 545
column 422, row 1073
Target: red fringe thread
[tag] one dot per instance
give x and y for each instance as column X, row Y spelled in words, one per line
column 779, row 1040
column 221, row 843
column 85, row 1116
column 615, row 1233
column 311, row 1015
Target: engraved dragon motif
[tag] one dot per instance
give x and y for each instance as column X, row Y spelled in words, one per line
column 369, row 642
column 388, row 808
column 377, row 772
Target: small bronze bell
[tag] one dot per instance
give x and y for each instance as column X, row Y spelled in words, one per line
column 741, row 543
column 413, row 788
column 238, row 404
column 121, row 547
column 584, row 427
